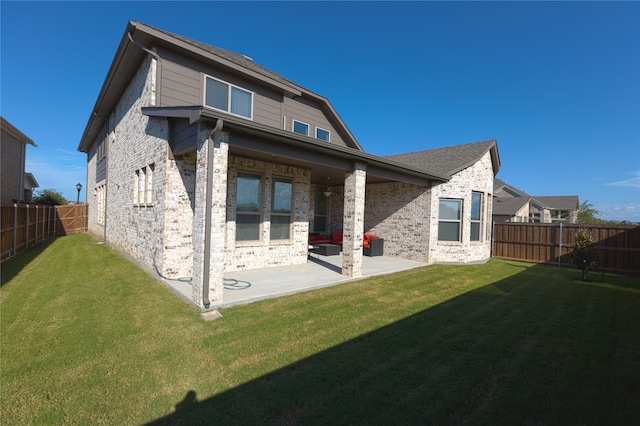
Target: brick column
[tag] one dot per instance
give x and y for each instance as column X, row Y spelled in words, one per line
column 218, row 196
column 353, row 221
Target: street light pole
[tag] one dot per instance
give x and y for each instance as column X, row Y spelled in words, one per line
column 79, row 188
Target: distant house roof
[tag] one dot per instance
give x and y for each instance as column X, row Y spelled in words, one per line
column 450, row 160
column 13, row 131
column 500, row 184
column 559, row 202
column 30, row 181
column 509, row 206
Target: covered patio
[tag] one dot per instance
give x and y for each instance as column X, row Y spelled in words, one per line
column 242, row 287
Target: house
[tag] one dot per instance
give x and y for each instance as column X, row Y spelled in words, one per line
column 17, row 185
column 201, row 162
column 511, row 204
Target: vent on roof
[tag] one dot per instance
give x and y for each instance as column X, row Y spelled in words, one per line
column 248, row 57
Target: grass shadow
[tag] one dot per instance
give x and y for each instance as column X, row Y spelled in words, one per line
column 522, row 350
column 12, row 267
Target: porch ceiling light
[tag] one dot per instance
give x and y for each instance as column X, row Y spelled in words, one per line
column 328, row 192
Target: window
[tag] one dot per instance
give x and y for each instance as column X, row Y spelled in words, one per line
column 225, row 97
column 476, row 216
column 248, row 207
column 320, row 212
column 281, row 209
column 300, row 127
column 322, row 134
column 143, row 186
column 449, row 220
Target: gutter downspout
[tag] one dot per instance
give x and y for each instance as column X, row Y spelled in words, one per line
column 159, row 71
column 207, row 214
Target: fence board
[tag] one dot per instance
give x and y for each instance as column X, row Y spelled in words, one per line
column 617, row 247
column 23, row 226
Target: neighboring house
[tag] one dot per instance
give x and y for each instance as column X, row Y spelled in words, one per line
column 552, row 209
column 511, row 204
column 17, row 185
column 202, row 162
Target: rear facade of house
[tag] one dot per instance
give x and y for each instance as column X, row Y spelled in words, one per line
column 201, row 162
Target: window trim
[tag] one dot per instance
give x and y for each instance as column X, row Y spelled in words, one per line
column 324, row 130
column 458, row 221
column 293, row 127
column 229, row 97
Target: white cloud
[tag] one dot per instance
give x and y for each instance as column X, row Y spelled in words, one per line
column 629, row 211
column 633, row 182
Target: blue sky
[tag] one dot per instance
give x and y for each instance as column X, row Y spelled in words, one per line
column 557, row 84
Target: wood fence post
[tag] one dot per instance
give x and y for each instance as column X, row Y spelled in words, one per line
column 560, row 254
column 15, row 229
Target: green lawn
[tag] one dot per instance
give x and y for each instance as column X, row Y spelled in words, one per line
column 88, row 338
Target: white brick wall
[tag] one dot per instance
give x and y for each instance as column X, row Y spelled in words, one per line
column 478, row 177
column 266, row 253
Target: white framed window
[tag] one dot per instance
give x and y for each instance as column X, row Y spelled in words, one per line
column 300, row 127
column 148, row 184
column 248, row 207
column 281, row 194
column 476, row 216
column 449, row 219
column 322, row 134
column 143, row 186
column 227, row 97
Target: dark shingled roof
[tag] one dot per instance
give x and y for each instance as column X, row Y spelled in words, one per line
column 497, row 184
column 449, row 160
column 560, row 202
column 508, row 206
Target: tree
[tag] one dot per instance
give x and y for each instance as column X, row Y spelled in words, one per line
column 587, row 214
column 584, row 255
column 50, row 197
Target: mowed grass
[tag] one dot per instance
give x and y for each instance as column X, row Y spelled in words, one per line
column 88, row 338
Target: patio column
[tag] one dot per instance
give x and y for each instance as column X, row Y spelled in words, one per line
column 210, row 217
column 353, row 221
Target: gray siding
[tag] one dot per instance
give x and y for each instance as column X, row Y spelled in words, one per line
column 183, row 84
column 309, row 112
column 13, row 160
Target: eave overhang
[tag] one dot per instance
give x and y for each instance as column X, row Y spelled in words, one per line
column 283, row 143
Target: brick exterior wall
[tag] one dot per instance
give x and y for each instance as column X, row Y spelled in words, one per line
column 478, row 177
column 265, row 252
column 399, row 212
column 134, row 141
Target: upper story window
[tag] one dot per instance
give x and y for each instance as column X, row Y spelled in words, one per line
column 300, row 127
column 322, row 134
column 229, row 98
column 449, row 219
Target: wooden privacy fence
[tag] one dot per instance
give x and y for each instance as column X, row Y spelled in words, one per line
column 24, row 226
column 617, row 247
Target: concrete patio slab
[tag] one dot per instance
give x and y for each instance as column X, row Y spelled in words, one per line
column 319, row 271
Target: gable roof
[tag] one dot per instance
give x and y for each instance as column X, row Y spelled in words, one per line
column 13, row 131
column 450, row 160
column 508, row 206
column 559, row 202
column 500, row 184
column 136, row 43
